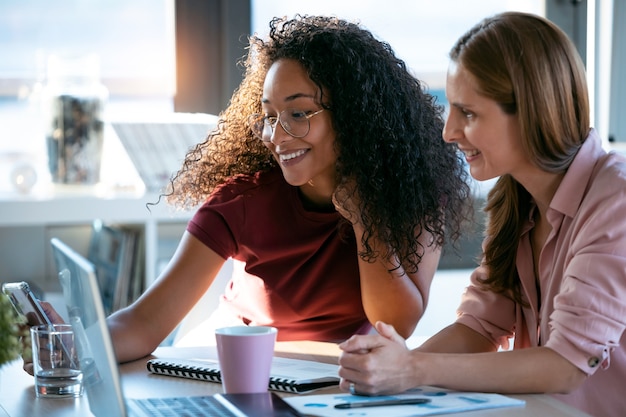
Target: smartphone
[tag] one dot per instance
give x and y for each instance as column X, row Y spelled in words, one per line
column 265, row 404
column 25, row 302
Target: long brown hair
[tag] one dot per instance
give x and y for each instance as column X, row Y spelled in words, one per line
column 532, row 69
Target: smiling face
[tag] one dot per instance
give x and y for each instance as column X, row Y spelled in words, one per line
column 309, row 161
column 490, row 138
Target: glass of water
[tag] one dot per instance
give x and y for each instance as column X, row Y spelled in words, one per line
column 56, row 366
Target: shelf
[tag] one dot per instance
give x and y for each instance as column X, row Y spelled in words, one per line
column 31, row 214
column 74, row 209
column 27, row 222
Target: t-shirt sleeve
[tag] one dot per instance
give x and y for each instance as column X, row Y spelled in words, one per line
column 215, row 221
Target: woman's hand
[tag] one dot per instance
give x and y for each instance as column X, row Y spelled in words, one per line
column 347, row 202
column 375, row 364
column 27, row 349
column 51, row 313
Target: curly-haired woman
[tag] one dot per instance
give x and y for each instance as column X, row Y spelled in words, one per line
column 326, row 180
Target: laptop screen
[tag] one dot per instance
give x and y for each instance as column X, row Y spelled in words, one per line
column 95, row 350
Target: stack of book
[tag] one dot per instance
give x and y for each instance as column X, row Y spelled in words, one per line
column 117, row 253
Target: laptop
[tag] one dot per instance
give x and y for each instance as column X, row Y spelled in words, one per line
column 101, row 379
column 157, row 146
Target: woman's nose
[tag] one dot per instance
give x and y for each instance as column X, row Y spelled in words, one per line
column 279, row 134
column 450, row 131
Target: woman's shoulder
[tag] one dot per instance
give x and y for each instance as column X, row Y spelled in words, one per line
column 609, row 173
column 596, row 173
column 270, row 178
column 605, row 190
column 250, row 184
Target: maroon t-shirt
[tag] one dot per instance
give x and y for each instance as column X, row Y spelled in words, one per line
column 301, row 273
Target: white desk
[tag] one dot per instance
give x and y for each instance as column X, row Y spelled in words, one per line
column 17, row 395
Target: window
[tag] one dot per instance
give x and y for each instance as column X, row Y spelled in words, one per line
column 133, row 39
column 421, row 32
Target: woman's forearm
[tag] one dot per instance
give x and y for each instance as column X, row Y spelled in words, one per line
column 532, row 370
column 392, row 295
column 457, row 338
column 131, row 338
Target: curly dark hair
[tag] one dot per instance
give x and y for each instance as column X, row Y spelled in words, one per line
column 388, row 135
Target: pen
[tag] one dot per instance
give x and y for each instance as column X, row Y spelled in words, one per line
column 374, row 403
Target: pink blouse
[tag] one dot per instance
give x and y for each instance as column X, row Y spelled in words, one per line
column 580, row 312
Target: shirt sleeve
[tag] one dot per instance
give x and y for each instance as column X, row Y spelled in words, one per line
column 213, row 222
column 589, row 315
column 488, row 313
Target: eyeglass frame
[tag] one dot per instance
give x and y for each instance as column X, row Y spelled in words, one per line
column 256, row 117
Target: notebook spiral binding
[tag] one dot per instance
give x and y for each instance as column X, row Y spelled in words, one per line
column 213, row 375
column 184, row 371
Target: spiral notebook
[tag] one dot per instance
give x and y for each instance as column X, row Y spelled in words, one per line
column 287, row 375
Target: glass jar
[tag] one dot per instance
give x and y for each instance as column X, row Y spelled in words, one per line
column 74, row 101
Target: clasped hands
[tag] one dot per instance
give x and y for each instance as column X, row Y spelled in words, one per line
column 375, row 364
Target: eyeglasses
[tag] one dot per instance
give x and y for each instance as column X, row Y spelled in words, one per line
column 295, row 122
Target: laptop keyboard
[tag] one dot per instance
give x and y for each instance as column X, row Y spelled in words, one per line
column 182, row 407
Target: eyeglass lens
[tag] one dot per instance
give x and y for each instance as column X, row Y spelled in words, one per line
column 294, row 122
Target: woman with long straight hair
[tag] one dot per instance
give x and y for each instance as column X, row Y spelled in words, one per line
column 553, row 270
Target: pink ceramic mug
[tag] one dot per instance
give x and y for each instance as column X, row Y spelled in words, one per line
column 245, row 355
